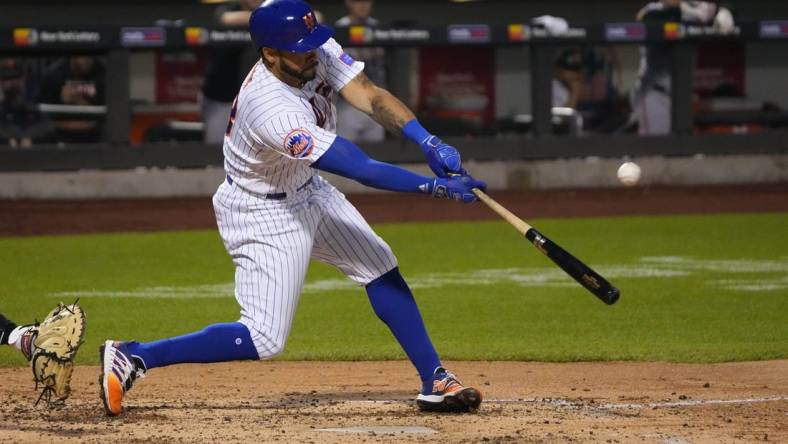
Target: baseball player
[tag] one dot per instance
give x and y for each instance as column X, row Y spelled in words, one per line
column 50, row 346
column 651, row 100
column 19, row 337
column 275, row 212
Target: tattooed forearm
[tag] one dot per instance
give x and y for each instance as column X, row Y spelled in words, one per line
column 380, row 104
column 390, row 112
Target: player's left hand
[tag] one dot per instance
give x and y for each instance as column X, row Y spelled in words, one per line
column 442, row 158
column 54, row 345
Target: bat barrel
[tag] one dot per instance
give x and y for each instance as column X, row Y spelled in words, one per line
column 579, row 271
column 582, row 273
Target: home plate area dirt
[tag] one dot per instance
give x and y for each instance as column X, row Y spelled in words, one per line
column 311, row 402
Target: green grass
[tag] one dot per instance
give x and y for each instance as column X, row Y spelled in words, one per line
column 689, row 316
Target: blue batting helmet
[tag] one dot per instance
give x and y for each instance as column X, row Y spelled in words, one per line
column 287, row 24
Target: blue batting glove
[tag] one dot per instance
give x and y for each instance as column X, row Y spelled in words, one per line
column 457, row 188
column 442, row 158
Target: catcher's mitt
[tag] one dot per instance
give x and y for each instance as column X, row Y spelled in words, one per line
column 54, row 347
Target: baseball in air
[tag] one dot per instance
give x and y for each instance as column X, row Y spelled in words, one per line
column 629, row 173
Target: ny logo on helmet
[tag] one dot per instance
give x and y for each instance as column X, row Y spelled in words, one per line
column 310, row 21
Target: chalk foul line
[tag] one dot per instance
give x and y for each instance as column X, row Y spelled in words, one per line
column 586, row 404
column 661, row 267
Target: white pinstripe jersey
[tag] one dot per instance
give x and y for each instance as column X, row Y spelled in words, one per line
column 277, row 131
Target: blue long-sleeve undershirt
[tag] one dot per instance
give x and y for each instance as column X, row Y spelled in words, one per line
column 348, row 160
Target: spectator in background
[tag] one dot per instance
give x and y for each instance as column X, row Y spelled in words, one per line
column 20, row 123
column 569, row 79
column 75, row 80
column 585, row 81
column 651, row 97
column 351, row 123
column 227, row 68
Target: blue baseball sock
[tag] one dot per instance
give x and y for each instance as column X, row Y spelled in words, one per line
column 215, row 343
column 394, row 304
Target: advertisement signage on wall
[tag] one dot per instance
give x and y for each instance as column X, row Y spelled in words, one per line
column 360, row 35
column 457, row 85
column 143, row 36
column 469, row 33
column 625, row 32
column 36, row 37
column 774, row 29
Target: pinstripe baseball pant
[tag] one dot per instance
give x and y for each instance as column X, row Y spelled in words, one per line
column 271, row 242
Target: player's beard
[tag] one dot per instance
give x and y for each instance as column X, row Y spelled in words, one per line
column 304, row 75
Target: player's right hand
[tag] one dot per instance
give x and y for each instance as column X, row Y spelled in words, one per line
column 457, row 187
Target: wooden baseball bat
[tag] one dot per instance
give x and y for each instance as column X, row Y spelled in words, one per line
column 579, row 271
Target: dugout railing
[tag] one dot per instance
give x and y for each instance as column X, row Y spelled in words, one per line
column 117, row 44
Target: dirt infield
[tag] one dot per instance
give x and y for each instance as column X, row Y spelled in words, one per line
column 298, row 401
column 24, row 217
column 525, row 402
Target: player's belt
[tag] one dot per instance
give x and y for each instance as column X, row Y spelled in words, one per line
column 277, row 196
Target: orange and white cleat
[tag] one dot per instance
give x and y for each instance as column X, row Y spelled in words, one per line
column 448, row 395
column 119, row 370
